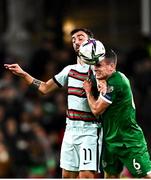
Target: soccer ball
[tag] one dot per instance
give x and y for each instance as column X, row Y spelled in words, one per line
column 91, row 51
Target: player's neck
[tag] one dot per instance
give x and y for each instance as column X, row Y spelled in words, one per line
column 79, row 61
column 111, row 73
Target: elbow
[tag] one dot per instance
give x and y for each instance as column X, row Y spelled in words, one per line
column 96, row 112
column 43, row 89
column 43, row 92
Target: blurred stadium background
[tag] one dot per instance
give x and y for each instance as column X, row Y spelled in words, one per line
column 36, row 34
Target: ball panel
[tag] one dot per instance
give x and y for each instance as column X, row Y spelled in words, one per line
column 91, row 50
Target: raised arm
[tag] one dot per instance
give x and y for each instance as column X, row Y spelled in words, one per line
column 43, row 87
column 97, row 106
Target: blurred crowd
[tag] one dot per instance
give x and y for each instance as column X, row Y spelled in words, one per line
column 32, row 125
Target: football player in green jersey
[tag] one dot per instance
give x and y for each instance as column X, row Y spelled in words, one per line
column 124, row 141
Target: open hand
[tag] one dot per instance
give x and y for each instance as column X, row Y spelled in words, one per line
column 15, row 69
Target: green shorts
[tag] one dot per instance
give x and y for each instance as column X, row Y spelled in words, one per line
column 137, row 161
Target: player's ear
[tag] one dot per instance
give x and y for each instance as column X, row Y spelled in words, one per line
column 113, row 65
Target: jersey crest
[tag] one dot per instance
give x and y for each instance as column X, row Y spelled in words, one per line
column 109, row 89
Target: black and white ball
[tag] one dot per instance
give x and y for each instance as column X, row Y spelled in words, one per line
column 91, row 51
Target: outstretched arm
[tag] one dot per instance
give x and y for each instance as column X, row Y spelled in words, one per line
column 98, row 106
column 43, row 87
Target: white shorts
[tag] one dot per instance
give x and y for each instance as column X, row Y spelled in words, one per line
column 81, row 149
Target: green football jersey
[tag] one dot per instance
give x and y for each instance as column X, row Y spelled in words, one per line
column 119, row 121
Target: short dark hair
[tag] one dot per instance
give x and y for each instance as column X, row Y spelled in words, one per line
column 110, row 55
column 87, row 31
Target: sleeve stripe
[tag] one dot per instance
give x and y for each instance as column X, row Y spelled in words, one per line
column 58, row 84
column 105, row 99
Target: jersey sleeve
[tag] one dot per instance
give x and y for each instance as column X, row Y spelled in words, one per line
column 106, row 98
column 62, row 77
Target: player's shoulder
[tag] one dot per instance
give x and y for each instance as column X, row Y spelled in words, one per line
column 118, row 80
column 120, row 74
column 119, row 77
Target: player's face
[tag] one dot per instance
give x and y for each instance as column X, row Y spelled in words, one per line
column 78, row 38
column 103, row 70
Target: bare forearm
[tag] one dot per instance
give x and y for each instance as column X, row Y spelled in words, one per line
column 92, row 102
column 31, row 81
column 97, row 106
column 42, row 87
column 27, row 77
